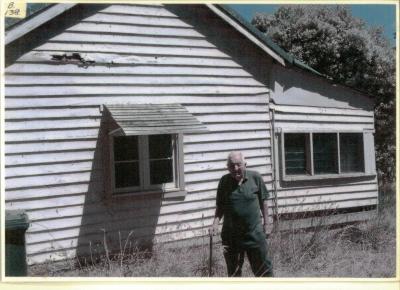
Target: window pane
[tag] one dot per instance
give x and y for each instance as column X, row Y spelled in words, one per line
column 351, row 152
column 325, row 153
column 295, row 153
column 126, row 148
column 160, row 146
column 127, row 174
column 161, row 171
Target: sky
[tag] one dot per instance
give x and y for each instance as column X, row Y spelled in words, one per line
column 374, row 15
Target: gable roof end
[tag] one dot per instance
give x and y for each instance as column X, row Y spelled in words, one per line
column 227, row 14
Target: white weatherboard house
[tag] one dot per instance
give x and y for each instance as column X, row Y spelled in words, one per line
column 119, row 118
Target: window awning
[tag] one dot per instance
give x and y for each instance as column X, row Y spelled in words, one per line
column 148, row 119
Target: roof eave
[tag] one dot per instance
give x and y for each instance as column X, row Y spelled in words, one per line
column 236, row 23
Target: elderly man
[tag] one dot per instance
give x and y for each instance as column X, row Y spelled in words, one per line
column 241, row 195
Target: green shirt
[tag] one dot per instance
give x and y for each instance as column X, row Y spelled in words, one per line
column 240, row 206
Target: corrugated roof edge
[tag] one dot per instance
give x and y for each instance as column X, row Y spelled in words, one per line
column 265, row 39
column 277, row 49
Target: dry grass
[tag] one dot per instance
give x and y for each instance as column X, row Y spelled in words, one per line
column 360, row 250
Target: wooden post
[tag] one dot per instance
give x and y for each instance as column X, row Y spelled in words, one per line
column 210, row 256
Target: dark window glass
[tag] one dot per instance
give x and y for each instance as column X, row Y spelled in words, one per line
column 126, row 148
column 325, row 153
column 161, row 159
column 160, row 146
column 351, row 152
column 126, row 174
column 161, row 171
column 295, row 153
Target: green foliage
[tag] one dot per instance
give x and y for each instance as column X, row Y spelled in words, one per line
column 345, row 49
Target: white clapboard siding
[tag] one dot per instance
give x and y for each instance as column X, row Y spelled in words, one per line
column 204, row 147
column 37, row 170
column 63, row 112
column 328, row 205
column 226, row 118
column 135, row 29
column 317, row 126
column 139, row 10
column 16, row 80
column 37, row 193
column 32, row 125
column 116, row 90
column 39, row 147
column 131, row 49
column 144, row 20
column 321, row 111
column 209, row 108
column 50, row 202
column 299, row 118
column 25, row 159
column 221, row 136
column 163, row 229
column 326, row 198
column 101, row 217
column 19, row 102
column 323, row 118
column 61, row 134
column 45, row 57
column 225, row 127
column 66, row 69
column 49, row 180
column 171, row 220
column 74, row 232
column 332, row 189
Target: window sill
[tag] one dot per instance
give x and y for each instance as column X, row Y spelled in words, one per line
column 325, row 176
column 173, row 193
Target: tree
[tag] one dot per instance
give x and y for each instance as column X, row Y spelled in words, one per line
column 346, row 50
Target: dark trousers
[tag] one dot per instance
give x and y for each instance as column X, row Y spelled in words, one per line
column 259, row 262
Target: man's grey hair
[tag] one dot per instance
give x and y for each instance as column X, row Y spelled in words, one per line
column 235, row 153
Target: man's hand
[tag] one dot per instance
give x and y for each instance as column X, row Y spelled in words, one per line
column 213, row 230
column 268, row 228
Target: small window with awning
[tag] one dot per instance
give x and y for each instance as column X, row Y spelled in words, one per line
column 144, row 148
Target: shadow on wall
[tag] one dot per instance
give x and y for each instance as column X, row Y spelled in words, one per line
column 226, row 38
column 296, row 87
column 109, row 225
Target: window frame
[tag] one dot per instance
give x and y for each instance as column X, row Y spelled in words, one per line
column 174, row 189
column 312, row 176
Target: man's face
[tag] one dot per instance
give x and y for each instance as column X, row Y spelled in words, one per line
column 236, row 166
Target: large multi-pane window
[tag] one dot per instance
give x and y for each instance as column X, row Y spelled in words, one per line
column 323, row 153
column 143, row 163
